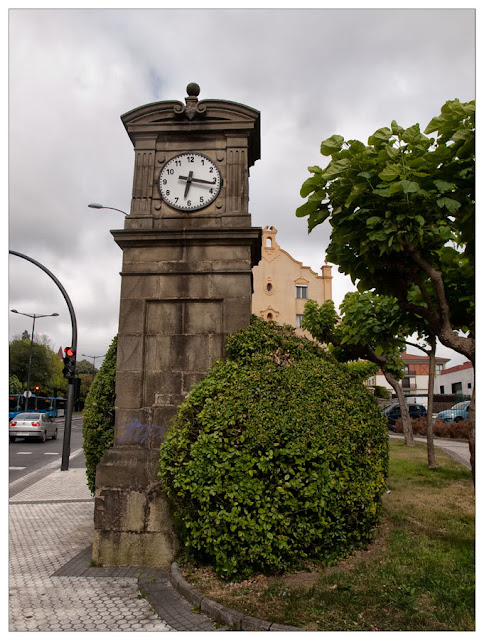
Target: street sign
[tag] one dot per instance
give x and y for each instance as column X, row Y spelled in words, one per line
column 27, row 392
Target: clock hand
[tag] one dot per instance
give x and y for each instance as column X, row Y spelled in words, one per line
column 189, row 181
column 198, row 179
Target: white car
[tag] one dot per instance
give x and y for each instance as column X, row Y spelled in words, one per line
column 32, row 425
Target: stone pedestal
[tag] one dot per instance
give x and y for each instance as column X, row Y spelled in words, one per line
column 186, row 284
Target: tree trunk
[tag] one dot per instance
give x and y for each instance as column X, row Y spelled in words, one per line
column 472, row 432
column 407, row 424
column 430, row 406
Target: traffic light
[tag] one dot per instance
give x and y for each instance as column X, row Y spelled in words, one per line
column 37, row 389
column 69, row 363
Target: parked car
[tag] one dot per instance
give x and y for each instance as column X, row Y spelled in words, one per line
column 457, row 413
column 393, row 413
column 32, row 425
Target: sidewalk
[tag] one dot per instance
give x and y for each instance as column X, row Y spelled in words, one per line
column 52, row 586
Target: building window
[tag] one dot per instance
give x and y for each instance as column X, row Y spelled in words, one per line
column 268, row 243
column 269, row 316
column 469, row 385
column 299, row 320
column 457, row 387
column 438, row 368
column 442, row 389
column 301, row 291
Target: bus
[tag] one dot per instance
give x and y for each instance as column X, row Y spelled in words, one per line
column 53, row 406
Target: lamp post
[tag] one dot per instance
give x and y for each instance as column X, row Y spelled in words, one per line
column 95, row 205
column 34, row 316
column 94, row 364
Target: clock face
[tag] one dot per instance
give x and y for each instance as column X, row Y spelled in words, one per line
column 190, row 181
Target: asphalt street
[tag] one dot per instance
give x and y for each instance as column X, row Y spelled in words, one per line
column 26, row 456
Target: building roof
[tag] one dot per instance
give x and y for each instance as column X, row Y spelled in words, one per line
column 408, row 357
column 459, row 367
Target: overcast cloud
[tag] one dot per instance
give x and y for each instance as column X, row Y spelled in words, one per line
column 311, row 73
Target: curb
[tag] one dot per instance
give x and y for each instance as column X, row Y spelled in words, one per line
column 234, row 619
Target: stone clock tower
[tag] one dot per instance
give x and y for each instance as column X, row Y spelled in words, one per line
column 188, row 252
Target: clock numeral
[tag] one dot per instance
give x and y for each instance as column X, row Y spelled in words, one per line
column 176, row 199
column 211, row 169
column 167, row 192
column 201, row 199
column 211, row 190
column 170, row 172
column 191, row 158
column 165, row 181
column 189, row 203
column 178, row 163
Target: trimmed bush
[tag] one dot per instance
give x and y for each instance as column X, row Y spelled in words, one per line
column 98, row 415
column 459, row 430
column 278, row 457
column 382, row 392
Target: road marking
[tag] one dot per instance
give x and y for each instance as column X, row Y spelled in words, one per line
column 16, row 468
column 51, row 453
column 24, row 453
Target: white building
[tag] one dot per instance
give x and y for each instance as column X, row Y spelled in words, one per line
column 416, row 379
column 459, row 379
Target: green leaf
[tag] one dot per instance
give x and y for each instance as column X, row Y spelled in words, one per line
column 383, row 193
column 380, row 136
column 390, row 172
column 435, row 124
column 410, row 187
column 443, row 186
column 395, row 187
column 335, row 168
column 412, row 135
column 315, row 218
column 364, row 174
column 306, row 208
column 332, row 145
column 356, row 191
column 449, row 203
column 373, row 221
column 396, row 129
column 310, row 185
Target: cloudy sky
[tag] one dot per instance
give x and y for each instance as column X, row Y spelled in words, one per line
column 310, row 72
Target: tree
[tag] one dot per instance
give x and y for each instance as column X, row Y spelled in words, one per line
column 402, row 211
column 84, row 366
column 430, row 351
column 371, row 327
column 14, row 385
column 42, row 365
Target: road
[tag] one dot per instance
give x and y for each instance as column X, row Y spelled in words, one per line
column 26, row 456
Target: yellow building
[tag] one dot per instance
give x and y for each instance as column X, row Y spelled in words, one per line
column 282, row 285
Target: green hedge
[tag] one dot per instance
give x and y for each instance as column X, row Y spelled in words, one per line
column 279, row 456
column 98, row 415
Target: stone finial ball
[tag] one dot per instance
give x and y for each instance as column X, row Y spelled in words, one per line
column 193, row 89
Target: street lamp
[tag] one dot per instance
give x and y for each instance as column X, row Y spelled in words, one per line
column 94, row 364
column 95, row 205
column 34, row 316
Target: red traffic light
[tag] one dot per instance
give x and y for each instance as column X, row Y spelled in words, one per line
column 69, row 351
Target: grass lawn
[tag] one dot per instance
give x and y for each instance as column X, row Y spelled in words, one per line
column 418, row 574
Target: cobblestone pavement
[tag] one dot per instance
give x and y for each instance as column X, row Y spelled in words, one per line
column 51, row 522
